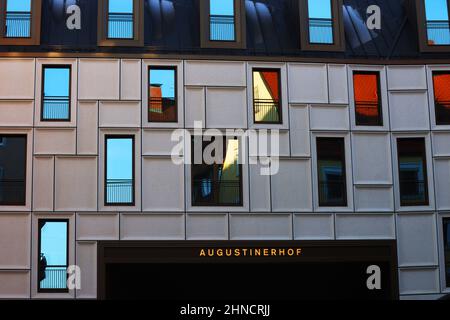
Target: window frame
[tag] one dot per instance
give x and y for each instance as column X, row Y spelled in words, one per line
column 380, row 122
column 280, row 100
column 35, row 26
column 56, row 66
column 138, row 26
column 133, row 168
column 163, row 67
column 338, row 28
column 40, row 224
column 433, row 73
column 240, row 41
column 422, row 29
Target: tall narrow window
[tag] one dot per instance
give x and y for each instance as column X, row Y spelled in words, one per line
column 331, row 172
column 412, row 171
column 437, row 22
column 441, row 84
column 20, row 22
column 446, row 233
column 266, row 96
column 120, row 19
column 162, row 93
column 13, row 153
column 119, row 173
column 219, row 182
column 366, row 87
column 320, row 21
column 53, row 255
column 56, row 93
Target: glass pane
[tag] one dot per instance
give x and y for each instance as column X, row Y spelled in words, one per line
column 441, row 84
column 222, row 21
column 119, row 171
column 162, row 96
column 18, row 19
column 367, row 100
column 438, row 27
column 320, row 22
column 266, row 96
column 53, row 255
column 12, row 169
column 447, row 250
column 56, row 97
column 120, row 19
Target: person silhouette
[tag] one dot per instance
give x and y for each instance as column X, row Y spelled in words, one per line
column 42, row 266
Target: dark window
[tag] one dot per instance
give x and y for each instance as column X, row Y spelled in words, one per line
column 446, row 233
column 162, row 93
column 441, row 84
column 331, row 172
column 119, row 171
column 366, row 87
column 56, row 93
column 216, row 183
column 266, row 96
column 13, row 154
column 53, row 255
column 437, row 19
column 21, row 21
column 412, row 171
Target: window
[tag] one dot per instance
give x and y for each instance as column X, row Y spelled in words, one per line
column 119, row 170
column 223, row 23
column 53, row 257
column 366, row 87
column 162, row 93
column 120, row 23
column 412, row 171
column 441, row 84
column 56, row 89
column 321, row 25
column 331, row 172
column 434, row 25
column 13, row 152
column 219, row 182
column 266, row 96
column 20, row 22
column 446, row 233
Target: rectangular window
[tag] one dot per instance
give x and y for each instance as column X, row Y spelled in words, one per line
column 412, row 171
column 441, row 85
column 162, row 93
column 56, row 89
column 446, row 233
column 267, row 96
column 366, row 87
column 222, row 20
column 120, row 19
column 320, row 21
column 119, row 171
column 331, row 172
column 20, row 22
column 219, row 183
column 53, row 255
column 437, row 22
column 13, row 154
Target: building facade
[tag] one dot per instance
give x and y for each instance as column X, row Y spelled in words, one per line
column 91, row 93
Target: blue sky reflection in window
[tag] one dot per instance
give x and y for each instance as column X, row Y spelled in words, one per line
column 320, row 22
column 18, row 19
column 120, row 19
column 56, row 93
column 222, row 21
column 438, row 28
column 119, row 173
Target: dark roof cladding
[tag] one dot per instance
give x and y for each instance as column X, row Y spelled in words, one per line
column 273, row 29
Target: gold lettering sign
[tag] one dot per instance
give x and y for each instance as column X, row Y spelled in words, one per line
column 250, row 252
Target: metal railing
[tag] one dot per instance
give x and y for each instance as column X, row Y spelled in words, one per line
column 321, row 31
column 120, row 26
column 55, row 278
column 367, row 113
column 222, row 28
column 56, row 108
column 162, row 109
column 267, row 110
column 12, row 191
column 332, row 193
column 18, row 24
column 438, row 32
column 413, row 191
column 214, row 192
column 119, row 191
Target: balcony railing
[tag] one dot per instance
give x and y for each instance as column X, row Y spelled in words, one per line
column 413, row 192
column 266, row 110
column 56, row 108
column 332, row 193
column 18, row 24
column 367, row 113
column 162, row 110
column 213, row 192
column 222, row 28
column 55, row 278
column 120, row 26
column 119, row 191
column 12, row 192
column 438, row 32
column 321, row 31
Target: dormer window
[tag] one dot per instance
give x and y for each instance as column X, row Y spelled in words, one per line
column 223, row 24
column 20, row 22
column 434, row 25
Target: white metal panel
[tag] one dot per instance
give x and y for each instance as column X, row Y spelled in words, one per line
column 19, row 71
column 260, row 226
column 91, row 226
column 152, row 227
column 15, row 241
column 374, row 198
column 299, row 131
column 87, row 131
column 365, row 226
column 215, row 73
column 308, row 83
column 207, row 226
column 15, row 284
column 419, row 281
column 337, row 82
column 43, row 175
column 195, row 106
column 226, row 108
column 130, row 79
column 87, row 261
column 313, row 227
column 99, row 79
column 259, row 188
column 326, row 117
column 409, row 111
column 125, row 114
column 54, row 141
column 407, row 77
column 16, row 113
